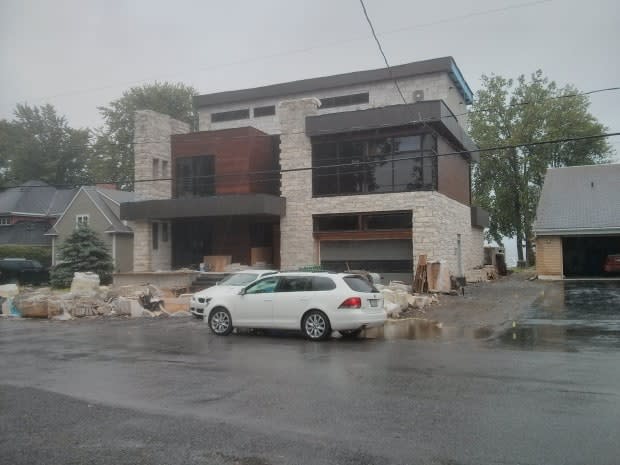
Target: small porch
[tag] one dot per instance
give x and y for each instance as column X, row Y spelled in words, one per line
column 179, row 233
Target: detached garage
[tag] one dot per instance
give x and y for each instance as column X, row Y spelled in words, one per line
column 578, row 221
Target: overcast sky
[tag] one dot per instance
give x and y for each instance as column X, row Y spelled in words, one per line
column 81, row 54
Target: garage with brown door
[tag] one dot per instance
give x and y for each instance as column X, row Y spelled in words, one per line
column 375, row 242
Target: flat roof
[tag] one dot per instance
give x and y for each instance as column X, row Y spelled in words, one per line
column 435, row 65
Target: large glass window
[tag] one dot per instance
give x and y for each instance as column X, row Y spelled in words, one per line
column 374, row 165
column 195, row 176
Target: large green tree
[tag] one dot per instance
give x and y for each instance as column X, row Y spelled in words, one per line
column 114, row 154
column 508, row 182
column 39, row 144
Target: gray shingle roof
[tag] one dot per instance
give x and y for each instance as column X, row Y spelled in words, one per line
column 35, row 198
column 580, row 200
column 111, row 211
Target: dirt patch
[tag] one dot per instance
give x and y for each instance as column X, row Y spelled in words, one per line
column 485, row 306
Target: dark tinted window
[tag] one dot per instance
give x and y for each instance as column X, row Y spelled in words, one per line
column 265, row 111
column 359, row 284
column 230, row 115
column 337, row 223
column 320, row 283
column 294, row 284
column 389, row 221
column 155, row 235
column 344, row 100
column 195, row 176
column 374, row 165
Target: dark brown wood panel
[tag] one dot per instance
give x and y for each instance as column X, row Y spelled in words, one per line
column 237, row 150
column 453, row 174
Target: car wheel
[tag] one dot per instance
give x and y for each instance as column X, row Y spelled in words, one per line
column 315, row 326
column 220, row 321
column 351, row 333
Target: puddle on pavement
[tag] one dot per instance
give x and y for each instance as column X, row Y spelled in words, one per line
column 570, row 316
column 417, row 328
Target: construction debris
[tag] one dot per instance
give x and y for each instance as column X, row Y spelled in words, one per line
column 88, row 299
column 398, row 299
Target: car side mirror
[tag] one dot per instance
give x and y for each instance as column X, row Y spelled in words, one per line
column 242, row 291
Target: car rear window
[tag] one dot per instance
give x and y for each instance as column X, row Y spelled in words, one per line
column 359, row 284
column 320, row 283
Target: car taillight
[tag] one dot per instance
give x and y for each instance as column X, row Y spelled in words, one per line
column 352, row 302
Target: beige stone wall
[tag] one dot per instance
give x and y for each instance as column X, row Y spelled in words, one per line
column 549, row 258
column 436, row 86
column 297, row 246
column 152, row 143
column 437, row 219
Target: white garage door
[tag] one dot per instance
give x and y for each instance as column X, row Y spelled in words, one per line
column 392, row 259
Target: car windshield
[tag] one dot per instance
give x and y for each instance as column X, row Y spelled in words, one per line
column 239, row 279
column 359, row 284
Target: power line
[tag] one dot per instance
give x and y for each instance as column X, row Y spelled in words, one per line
column 362, row 163
column 290, row 51
column 387, row 64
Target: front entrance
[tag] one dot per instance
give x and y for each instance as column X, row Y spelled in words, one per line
column 247, row 240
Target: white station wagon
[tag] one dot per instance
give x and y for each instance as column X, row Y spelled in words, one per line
column 315, row 303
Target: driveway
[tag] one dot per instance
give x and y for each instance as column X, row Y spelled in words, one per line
column 571, row 316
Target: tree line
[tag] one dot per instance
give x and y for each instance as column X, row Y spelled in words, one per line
column 39, row 144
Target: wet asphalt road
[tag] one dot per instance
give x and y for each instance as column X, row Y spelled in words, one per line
column 168, row 392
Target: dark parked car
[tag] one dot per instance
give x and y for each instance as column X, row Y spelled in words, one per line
column 23, row 271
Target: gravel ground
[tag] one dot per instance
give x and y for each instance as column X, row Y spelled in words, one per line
column 487, row 306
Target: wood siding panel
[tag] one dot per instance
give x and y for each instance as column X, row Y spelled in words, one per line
column 453, row 174
column 549, row 256
column 239, row 150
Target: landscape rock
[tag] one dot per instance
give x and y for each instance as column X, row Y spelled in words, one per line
column 135, row 309
column 85, row 283
column 31, row 305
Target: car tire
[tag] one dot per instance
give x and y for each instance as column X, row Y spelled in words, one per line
column 220, row 322
column 350, row 333
column 315, row 326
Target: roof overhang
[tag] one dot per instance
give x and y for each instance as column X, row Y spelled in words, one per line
column 218, row 205
column 306, row 86
column 579, row 232
column 435, row 113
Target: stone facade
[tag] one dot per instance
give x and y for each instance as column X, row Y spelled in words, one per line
column 152, row 155
column 437, row 219
column 436, row 86
column 153, row 160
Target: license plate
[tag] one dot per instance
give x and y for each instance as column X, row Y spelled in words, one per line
column 373, row 302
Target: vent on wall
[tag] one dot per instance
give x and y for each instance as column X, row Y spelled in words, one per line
column 418, row 95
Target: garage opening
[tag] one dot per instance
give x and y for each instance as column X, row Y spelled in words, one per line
column 378, row 242
column 585, row 256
